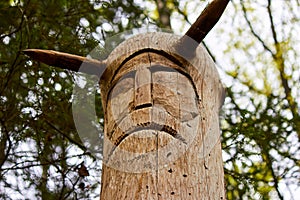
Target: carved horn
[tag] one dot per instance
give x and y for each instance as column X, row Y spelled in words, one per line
column 67, row 61
column 186, row 46
column 199, row 29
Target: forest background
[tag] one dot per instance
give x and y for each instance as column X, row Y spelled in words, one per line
column 256, row 49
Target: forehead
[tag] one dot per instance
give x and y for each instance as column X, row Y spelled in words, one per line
column 133, row 49
column 164, row 44
column 153, row 63
column 160, row 49
column 151, row 60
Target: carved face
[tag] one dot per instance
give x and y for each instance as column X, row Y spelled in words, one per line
column 152, row 108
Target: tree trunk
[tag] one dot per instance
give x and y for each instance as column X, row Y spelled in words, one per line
column 164, row 14
column 161, row 137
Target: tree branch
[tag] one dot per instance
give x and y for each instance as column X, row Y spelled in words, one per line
column 197, row 32
column 252, row 29
column 164, row 13
column 82, row 147
column 279, row 60
column 207, row 20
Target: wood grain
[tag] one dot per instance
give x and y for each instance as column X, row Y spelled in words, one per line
column 169, row 148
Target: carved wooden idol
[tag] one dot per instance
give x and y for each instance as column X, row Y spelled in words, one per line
column 161, row 96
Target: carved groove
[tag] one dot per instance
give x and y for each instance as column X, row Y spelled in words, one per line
column 147, row 126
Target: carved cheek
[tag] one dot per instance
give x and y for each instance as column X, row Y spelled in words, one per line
column 121, row 98
column 174, row 92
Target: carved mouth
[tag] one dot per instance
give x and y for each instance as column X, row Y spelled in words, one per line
column 152, row 126
column 154, row 119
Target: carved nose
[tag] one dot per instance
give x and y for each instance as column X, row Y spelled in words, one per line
column 142, row 88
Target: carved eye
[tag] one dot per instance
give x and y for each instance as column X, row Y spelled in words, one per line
column 161, row 68
column 125, row 84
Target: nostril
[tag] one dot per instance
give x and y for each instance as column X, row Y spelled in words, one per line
column 141, row 106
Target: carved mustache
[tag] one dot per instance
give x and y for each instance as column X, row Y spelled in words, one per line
column 156, row 120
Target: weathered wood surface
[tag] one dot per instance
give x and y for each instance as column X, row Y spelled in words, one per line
column 161, row 137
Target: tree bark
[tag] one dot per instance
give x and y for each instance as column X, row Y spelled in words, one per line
column 164, row 14
column 161, row 137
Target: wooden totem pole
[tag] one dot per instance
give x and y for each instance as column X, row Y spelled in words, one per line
column 161, row 96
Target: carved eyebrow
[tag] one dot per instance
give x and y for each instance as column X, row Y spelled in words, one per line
column 158, row 68
column 130, row 74
column 154, row 68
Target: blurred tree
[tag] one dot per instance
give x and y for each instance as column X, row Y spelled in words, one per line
column 40, row 150
column 257, row 44
column 261, row 126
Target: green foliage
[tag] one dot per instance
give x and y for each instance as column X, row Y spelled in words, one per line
column 39, row 144
column 260, row 128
